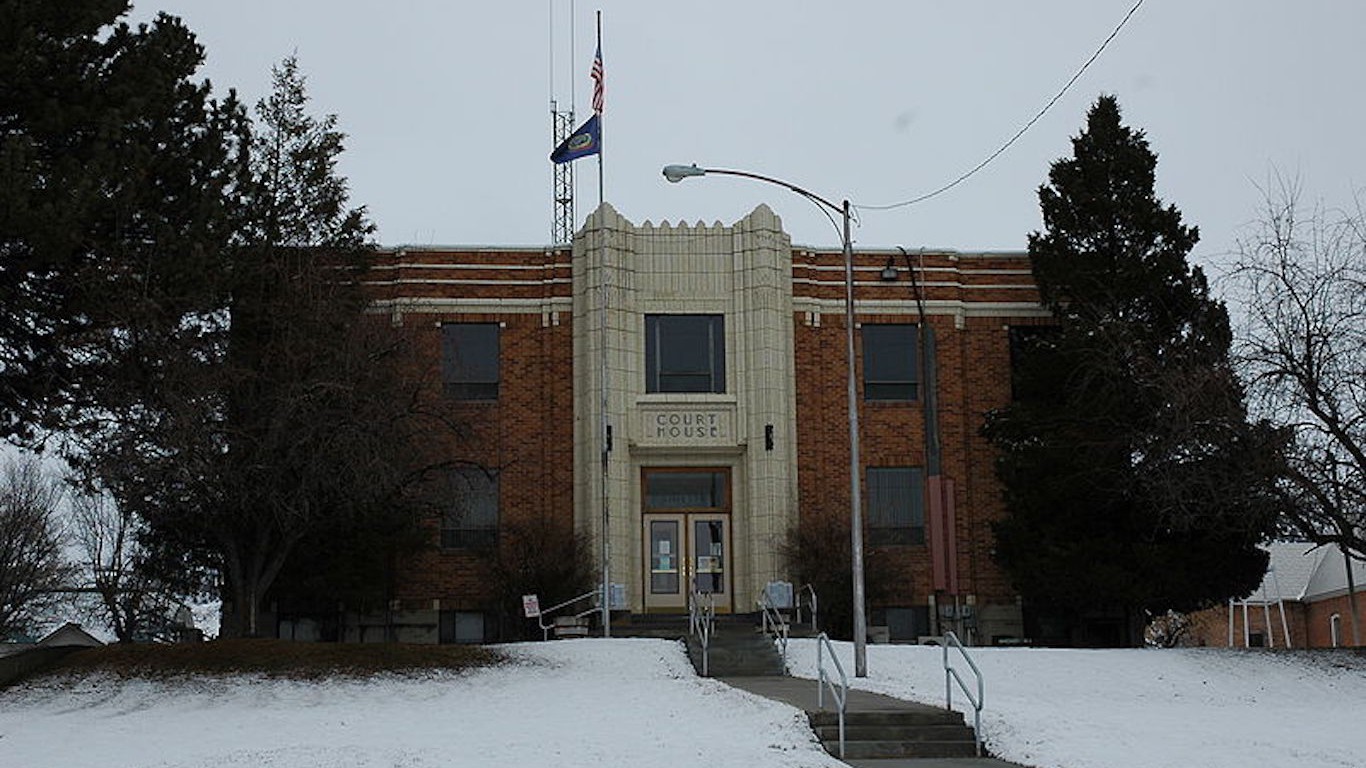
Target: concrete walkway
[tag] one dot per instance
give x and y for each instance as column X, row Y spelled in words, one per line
column 801, row 693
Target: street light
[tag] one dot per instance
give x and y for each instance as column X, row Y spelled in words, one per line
column 676, row 173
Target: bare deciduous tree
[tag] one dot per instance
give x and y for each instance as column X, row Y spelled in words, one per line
column 132, row 602
column 31, row 564
column 1302, row 348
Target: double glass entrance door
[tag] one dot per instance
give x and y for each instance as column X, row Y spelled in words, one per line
column 688, row 548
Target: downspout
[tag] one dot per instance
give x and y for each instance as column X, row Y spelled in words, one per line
column 943, row 539
column 1351, row 596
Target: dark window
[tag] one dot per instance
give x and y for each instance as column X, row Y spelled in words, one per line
column 469, row 360
column 896, row 505
column 908, row 625
column 1029, row 344
column 685, row 353
column 890, row 370
column 462, row 627
column 691, row 490
column 472, row 515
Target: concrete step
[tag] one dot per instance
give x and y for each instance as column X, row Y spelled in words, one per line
column 921, row 733
column 894, row 732
column 737, row 652
column 916, row 718
column 864, row 750
column 721, row 665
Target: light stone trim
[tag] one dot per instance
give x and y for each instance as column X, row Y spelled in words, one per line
column 742, row 272
column 466, row 267
column 942, row 284
column 817, row 307
column 446, row 281
column 480, row 306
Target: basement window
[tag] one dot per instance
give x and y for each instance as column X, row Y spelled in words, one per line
column 464, row 627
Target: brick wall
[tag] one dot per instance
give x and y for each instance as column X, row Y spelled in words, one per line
column 973, row 360
column 1318, row 621
column 1209, row 628
column 527, row 436
column 528, row 433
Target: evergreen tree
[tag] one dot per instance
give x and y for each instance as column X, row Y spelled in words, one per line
column 1134, row 481
column 117, row 176
column 303, row 428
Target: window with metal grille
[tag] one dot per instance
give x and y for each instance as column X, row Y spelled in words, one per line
column 896, row 505
column 471, row 519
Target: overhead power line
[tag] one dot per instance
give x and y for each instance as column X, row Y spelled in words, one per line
column 1018, row 134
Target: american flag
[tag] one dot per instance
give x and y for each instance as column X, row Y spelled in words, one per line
column 597, row 81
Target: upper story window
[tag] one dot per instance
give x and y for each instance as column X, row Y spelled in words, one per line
column 469, row 360
column 685, row 353
column 896, row 505
column 1027, row 341
column 890, row 369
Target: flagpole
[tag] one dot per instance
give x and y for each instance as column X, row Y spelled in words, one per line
column 600, row 195
column 606, row 426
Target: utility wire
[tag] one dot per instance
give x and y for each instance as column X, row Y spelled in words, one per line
column 1018, row 133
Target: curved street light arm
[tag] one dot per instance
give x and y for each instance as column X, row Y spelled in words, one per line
column 676, row 173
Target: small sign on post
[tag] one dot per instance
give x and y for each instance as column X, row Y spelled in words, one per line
column 531, row 606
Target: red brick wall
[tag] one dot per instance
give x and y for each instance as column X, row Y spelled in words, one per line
column 527, row 434
column 1210, row 627
column 973, row 377
column 1320, row 615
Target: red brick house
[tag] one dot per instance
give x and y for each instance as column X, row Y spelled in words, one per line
column 715, row 357
column 1302, row 602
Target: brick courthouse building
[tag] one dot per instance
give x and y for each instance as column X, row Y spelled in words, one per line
column 722, row 354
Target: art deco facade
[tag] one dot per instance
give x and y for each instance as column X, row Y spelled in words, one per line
column 718, row 353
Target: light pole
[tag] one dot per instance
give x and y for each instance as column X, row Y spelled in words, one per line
column 676, row 173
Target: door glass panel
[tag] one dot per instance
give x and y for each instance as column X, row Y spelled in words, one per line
column 664, row 554
column 709, row 547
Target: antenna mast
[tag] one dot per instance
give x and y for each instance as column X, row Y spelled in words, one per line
column 561, row 126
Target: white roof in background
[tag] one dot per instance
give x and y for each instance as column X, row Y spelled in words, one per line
column 70, row 634
column 1289, row 572
column 1330, row 578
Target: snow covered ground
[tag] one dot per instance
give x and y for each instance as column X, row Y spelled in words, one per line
column 1143, row 708
column 568, row 704
column 602, row 703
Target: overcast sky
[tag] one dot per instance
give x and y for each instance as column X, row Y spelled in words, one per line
column 446, row 105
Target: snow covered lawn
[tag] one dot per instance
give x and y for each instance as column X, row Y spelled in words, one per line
column 589, row 703
column 1143, row 708
column 604, row 703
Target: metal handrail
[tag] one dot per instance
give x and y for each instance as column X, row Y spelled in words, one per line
column 840, row 693
column 701, row 622
column 773, row 623
column 951, row 675
column 540, row 618
column 810, row 589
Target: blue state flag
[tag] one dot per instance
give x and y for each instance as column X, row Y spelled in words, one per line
column 587, row 140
